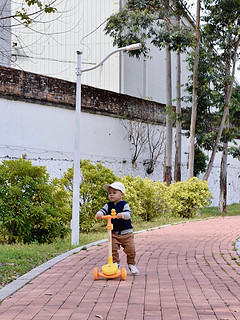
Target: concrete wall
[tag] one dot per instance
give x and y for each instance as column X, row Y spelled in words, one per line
column 38, row 119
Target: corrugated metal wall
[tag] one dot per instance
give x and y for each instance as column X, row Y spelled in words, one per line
column 5, row 37
column 49, row 47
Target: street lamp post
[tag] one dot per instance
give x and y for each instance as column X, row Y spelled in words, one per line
column 76, row 168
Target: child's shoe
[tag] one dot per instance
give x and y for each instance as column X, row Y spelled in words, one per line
column 133, row 269
column 117, row 264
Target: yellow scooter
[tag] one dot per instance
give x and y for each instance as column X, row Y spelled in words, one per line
column 110, row 270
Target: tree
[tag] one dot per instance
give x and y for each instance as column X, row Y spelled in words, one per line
column 230, row 132
column 218, row 53
column 234, row 118
column 137, row 136
column 145, row 136
column 194, row 95
column 141, row 20
column 155, row 140
column 222, row 32
column 28, row 12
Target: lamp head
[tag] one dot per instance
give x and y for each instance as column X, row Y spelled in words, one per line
column 135, row 46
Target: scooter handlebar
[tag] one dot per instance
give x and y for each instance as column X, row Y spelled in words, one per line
column 108, row 216
column 109, row 223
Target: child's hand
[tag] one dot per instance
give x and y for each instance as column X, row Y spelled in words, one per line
column 120, row 215
column 99, row 215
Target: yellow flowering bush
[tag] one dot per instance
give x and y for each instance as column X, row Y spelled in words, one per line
column 146, row 198
column 132, row 194
column 187, row 198
column 149, row 199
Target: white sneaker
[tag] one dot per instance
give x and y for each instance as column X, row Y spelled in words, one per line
column 133, row 269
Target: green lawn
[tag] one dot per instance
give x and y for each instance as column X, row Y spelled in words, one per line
column 16, row 260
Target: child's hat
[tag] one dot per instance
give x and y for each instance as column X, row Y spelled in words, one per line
column 115, row 185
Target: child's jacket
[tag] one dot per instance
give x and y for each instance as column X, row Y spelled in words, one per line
column 120, row 226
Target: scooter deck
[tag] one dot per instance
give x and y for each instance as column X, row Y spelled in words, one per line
column 120, row 273
column 113, row 276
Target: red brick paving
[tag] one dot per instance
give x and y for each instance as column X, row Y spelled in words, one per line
column 187, row 272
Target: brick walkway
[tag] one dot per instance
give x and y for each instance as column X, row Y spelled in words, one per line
column 187, row 271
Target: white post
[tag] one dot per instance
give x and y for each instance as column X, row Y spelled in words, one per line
column 76, row 169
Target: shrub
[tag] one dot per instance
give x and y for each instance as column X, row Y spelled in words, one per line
column 92, row 194
column 132, row 195
column 187, row 198
column 151, row 199
column 31, row 207
column 145, row 197
column 148, row 199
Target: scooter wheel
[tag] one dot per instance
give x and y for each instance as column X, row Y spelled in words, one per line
column 123, row 274
column 95, row 273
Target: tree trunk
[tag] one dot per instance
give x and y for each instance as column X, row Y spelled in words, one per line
column 214, row 151
column 168, row 148
column 222, row 207
column 178, row 141
column 194, row 95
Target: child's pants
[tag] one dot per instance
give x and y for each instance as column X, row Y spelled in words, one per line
column 127, row 242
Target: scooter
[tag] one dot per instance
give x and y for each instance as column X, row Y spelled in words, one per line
column 110, row 270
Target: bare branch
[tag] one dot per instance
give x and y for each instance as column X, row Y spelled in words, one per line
column 137, row 135
column 156, row 144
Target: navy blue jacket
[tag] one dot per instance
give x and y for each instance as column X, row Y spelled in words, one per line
column 118, row 224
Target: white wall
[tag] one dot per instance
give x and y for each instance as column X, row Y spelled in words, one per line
column 46, row 135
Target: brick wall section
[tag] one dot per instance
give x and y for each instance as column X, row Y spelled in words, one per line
column 20, row 85
column 25, row 86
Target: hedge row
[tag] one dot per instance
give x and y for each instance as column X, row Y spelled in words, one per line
column 35, row 208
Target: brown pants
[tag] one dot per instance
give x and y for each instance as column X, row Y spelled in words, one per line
column 127, row 242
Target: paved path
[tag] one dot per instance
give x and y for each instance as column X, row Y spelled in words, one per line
column 187, row 271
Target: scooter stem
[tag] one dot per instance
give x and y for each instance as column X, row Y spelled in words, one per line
column 109, row 228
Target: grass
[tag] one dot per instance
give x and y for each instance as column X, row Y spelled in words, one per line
column 17, row 259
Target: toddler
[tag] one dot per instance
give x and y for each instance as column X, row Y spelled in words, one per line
column 122, row 233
